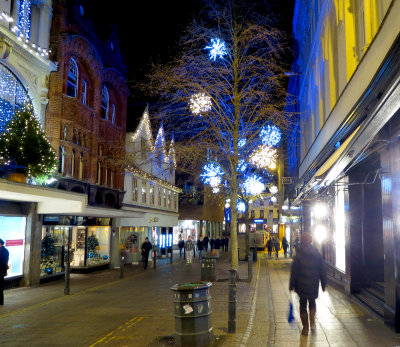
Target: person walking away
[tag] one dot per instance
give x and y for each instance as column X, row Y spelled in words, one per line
column 189, row 250
column 181, row 245
column 277, row 246
column 269, row 247
column 217, row 246
column 226, row 243
column 206, row 240
column 212, row 243
column 285, row 245
column 4, row 255
column 200, row 247
column 307, row 271
column 146, row 247
column 296, row 244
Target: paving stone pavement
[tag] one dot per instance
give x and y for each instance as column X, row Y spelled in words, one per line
column 104, row 309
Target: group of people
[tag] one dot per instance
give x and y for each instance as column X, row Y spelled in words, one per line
column 202, row 244
column 274, row 244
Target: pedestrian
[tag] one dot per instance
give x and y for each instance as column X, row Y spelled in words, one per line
column 285, row 245
column 189, row 246
column 3, row 269
column 200, row 247
column 226, row 243
column 217, row 246
column 181, row 245
column 269, row 247
column 212, row 243
column 307, row 271
column 296, row 244
column 277, row 246
column 146, row 247
column 206, row 240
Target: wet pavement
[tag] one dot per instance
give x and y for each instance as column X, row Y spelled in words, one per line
column 137, row 310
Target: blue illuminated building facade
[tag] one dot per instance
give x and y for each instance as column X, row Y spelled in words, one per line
column 344, row 149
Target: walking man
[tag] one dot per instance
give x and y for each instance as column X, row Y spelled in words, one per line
column 3, row 269
column 200, row 247
column 146, row 247
column 189, row 250
column 307, row 271
column 181, row 244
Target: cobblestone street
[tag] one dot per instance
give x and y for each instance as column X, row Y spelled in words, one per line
column 137, row 310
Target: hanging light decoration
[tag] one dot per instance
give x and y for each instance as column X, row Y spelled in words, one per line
column 270, row 135
column 264, row 158
column 200, row 103
column 212, row 175
column 253, row 185
column 217, row 49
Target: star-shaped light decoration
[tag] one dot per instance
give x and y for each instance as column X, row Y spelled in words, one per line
column 217, row 49
column 200, row 103
column 212, row 175
column 270, row 135
column 253, row 185
column 264, row 158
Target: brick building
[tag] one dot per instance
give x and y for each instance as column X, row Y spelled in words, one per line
column 86, row 115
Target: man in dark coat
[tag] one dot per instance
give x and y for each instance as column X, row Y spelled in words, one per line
column 146, row 247
column 217, row 246
column 285, row 245
column 3, row 269
column 307, row 271
column 206, row 240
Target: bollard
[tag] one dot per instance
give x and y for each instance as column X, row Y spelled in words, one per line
column 192, row 309
column 155, row 258
column 250, row 265
column 232, row 302
column 208, row 268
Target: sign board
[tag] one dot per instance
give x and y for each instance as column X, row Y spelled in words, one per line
column 286, row 180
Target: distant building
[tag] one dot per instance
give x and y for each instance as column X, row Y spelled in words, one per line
column 150, row 190
column 345, row 146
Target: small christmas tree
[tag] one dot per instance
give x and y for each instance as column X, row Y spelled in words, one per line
column 48, row 249
column 24, row 146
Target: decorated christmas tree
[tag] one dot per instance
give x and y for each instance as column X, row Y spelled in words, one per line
column 48, row 248
column 24, row 147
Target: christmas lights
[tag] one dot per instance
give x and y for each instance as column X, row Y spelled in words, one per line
column 264, row 157
column 212, row 175
column 200, row 103
column 253, row 185
column 24, row 18
column 241, row 206
column 217, row 49
column 270, row 135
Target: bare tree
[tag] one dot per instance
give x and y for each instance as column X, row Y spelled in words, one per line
column 227, row 83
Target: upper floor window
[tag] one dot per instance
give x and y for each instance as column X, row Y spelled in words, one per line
column 73, row 163
column 144, row 191
column 61, row 158
column 84, row 92
column 72, row 83
column 98, row 178
column 134, row 189
column 104, row 103
column 262, row 214
column 81, row 166
column 152, row 194
column 113, row 114
column 24, row 18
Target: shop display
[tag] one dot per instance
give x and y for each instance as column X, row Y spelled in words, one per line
column 54, row 244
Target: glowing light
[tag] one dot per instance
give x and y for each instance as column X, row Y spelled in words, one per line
column 320, row 233
column 241, row 143
column 320, row 210
column 241, row 206
column 253, row 185
column 242, row 166
column 273, row 189
column 200, row 103
column 212, row 175
column 264, row 157
column 274, row 199
column 24, row 18
column 270, row 135
column 217, row 49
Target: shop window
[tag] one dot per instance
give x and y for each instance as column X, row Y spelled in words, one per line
column 104, row 103
column 134, row 189
column 54, row 245
column 72, row 81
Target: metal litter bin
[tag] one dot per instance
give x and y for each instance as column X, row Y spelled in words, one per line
column 208, row 268
column 192, row 309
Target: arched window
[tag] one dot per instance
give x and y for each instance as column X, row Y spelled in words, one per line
column 72, row 82
column 61, row 159
column 104, row 103
column 73, row 163
column 81, row 166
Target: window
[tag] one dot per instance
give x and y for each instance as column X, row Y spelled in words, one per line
column 262, row 214
column 104, row 103
column 113, row 114
column 169, row 199
column 84, row 92
column 175, row 200
column 164, row 197
column 159, row 196
column 98, row 171
column 112, row 178
column 152, row 194
column 252, row 214
column 144, row 191
column 61, row 160
column 81, row 166
column 73, row 163
column 134, row 189
column 72, row 82
column 64, row 133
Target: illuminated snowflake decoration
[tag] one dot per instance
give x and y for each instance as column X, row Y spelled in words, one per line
column 242, row 166
column 212, row 175
column 241, row 143
column 200, row 103
column 253, row 185
column 217, row 49
column 264, row 158
column 241, row 206
column 270, row 135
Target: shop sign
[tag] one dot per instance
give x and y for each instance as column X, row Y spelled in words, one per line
column 14, row 243
column 258, row 220
column 154, row 219
column 286, row 180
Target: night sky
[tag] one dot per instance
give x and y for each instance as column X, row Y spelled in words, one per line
column 148, row 32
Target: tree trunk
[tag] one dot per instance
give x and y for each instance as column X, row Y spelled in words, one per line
column 234, row 240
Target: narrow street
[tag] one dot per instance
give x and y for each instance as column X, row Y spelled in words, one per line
column 137, row 310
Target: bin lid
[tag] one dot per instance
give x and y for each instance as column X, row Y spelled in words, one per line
column 191, row 286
